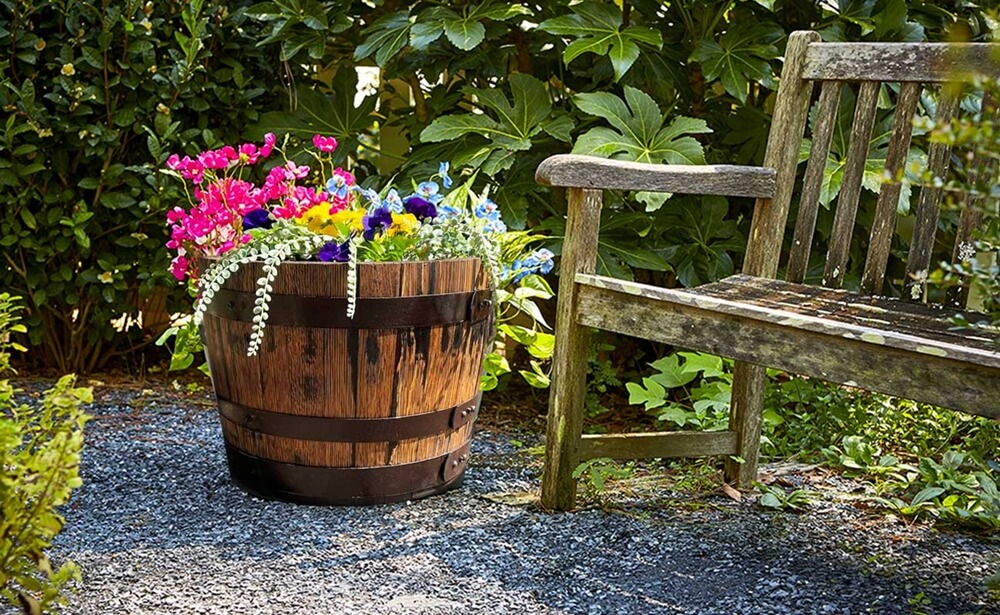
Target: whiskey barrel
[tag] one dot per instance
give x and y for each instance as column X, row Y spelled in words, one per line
column 366, row 410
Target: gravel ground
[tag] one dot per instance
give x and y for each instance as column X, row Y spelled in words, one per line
column 158, row 528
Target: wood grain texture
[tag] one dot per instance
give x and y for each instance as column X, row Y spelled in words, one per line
column 351, row 373
column 569, row 359
column 746, row 415
column 791, row 110
column 850, row 188
column 921, row 62
column 853, row 356
column 805, row 221
column 658, row 445
column 884, row 224
column 929, row 206
column 575, row 171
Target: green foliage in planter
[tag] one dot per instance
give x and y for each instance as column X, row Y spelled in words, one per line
column 95, row 96
column 39, row 457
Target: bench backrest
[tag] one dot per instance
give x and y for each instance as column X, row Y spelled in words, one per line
column 869, row 68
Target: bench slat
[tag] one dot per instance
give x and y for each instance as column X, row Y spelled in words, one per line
column 924, row 62
column 661, row 444
column 805, row 222
column 576, row 171
column 880, row 360
column 884, row 224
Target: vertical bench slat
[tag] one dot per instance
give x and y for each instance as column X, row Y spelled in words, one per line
column 850, row 189
column 972, row 214
column 805, row 222
column 884, row 225
column 929, row 206
column 767, row 229
column 569, row 361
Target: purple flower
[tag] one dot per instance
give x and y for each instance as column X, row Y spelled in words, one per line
column 379, row 220
column 258, row 218
column 419, row 207
column 334, row 252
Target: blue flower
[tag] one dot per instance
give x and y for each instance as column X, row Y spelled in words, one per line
column 419, row 207
column 373, row 198
column 429, row 191
column 379, row 220
column 543, row 260
column 447, row 212
column 258, row 218
column 443, row 173
column 495, row 225
column 394, row 202
column 334, row 252
column 337, row 186
column 487, row 210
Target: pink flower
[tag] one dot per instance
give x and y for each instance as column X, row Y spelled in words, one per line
column 179, row 267
column 324, row 144
column 269, row 140
column 249, row 153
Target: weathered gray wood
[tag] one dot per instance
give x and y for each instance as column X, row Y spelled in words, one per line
column 972, row 214
column 809, row 346
column 746, row 414
column 918, row 320
column 850, row 188
column 569, row 359
column 848, row 328
column 571, row 170
column 929, row 205
column 884, row 224
column 791, row 110
column 654, row 445
column 921, row 62
column 805, row 222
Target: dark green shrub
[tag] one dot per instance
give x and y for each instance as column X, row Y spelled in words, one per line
column 95, row 96
column 39, row 459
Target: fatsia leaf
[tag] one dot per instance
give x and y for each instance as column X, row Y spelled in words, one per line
column 598, row 29
column 509, row 126
column 740, row 56
column 640, row 134
column 386, row 37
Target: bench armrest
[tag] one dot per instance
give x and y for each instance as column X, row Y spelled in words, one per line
column 575, row 171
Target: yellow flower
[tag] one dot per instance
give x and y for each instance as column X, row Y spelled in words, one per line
column 317, row 219
column 403, row 224
column 106, row 277
column 353, row 218
column 68, row 69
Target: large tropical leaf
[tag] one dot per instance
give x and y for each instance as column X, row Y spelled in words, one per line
column 639, row 133
column 597, row 28
column 740, row 56
column 509, row 126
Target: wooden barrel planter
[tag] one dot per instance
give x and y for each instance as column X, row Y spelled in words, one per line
column 374, row 409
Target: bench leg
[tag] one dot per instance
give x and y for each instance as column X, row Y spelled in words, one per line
column 746, row 414
column 565, row 419
column 569, row 359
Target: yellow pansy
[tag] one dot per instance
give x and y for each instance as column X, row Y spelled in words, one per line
column 403, row 224
column 317, row 219
column 353, row 218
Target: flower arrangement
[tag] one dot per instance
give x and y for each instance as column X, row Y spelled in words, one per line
column 321, row 212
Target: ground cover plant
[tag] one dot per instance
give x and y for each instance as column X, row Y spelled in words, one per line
column 40, row 446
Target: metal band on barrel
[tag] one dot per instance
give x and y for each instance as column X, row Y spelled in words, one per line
column 333, row 429
column 370, row 313
column 347, row 486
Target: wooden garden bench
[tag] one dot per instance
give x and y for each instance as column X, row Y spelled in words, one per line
column 901, row 347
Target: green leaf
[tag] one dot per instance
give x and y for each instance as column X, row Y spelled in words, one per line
column 650, row 393
column 671, row 374
column 639, row 133
column 708, row 365
column 741, row 55
column 385, row 38
column 598, row 29
column 769, row 500
column 465, row 34
column 332, row 114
